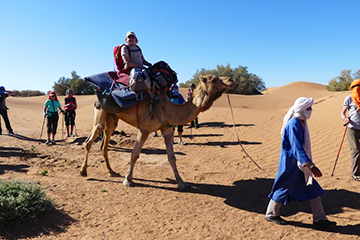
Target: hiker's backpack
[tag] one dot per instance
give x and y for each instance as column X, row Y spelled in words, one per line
column 118, row 60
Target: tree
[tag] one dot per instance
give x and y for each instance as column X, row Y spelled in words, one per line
column 343, row 81
column 80, row 87
column 75, row 83
column 61, row 86
column 27, row 93
column 245, row 82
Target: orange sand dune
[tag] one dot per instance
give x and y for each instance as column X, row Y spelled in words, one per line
column 229, row 194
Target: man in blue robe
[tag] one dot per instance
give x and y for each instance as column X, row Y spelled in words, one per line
column 294, row 180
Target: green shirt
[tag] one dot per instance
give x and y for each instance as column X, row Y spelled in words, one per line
column 52, row 106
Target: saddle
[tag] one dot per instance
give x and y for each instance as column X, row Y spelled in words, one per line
column 116, row 84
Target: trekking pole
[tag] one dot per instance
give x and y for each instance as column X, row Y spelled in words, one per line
column 62, row 128
column 42, row 128
column 75, row 129
column 337, row 157
column 191, row 136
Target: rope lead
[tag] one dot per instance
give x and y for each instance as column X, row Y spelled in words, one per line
column 238, row 139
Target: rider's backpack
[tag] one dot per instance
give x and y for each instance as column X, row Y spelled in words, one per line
column 118, row 60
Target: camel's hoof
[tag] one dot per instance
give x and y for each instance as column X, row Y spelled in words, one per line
column 128, row 183
column 185, row 187
column 114, row 174
column 83, row 173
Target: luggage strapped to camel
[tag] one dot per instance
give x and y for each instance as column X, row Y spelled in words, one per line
column 161, row 75
column 117, row 85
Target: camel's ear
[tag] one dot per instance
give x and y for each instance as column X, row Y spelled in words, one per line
column 203, row 79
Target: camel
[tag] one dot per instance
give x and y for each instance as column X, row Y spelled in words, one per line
column 149, row 118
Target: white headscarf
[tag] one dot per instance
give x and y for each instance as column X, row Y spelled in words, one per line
column 299, row 111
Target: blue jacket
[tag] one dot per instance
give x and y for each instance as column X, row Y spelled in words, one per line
column 179, row 99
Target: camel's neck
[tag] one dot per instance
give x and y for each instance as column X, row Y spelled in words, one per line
column 184, row 113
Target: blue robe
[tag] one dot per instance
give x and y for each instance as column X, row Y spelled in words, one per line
column 290, row 182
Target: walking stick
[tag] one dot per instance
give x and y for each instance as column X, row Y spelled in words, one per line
column 42, row 128
column 337, row 157
column 62, row 128
column 191, row 136
column 75, row 130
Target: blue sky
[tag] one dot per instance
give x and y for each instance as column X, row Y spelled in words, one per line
column 281, row 41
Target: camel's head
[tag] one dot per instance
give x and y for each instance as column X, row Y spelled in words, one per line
column 210, row 89
column 212, row 84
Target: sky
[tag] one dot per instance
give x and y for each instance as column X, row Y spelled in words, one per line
column 281, row 41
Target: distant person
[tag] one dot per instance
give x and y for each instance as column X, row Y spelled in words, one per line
column 177, row 98
column 193, row 123
column 52, row 105
column 351, row 105
column 134, row 62
column 3, row 109
column 294, row 180
column 70, row 106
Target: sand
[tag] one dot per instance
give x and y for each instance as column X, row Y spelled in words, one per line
column 229, row 192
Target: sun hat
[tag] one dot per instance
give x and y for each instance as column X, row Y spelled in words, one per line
column 52, row 93
column 129, row 33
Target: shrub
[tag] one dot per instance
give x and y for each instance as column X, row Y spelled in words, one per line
column 27, row 93
column 343, row 81
column 245, row 83
column 21, row 202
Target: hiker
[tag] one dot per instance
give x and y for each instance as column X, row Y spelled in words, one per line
column 294, row 180
column 3, row 109
column 177, row 98
column 70, row 106
column 194, row 123
column 351, row 105
column 51, row 113
column 135, row 61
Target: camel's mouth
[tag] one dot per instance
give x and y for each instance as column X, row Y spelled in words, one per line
column 229, row 83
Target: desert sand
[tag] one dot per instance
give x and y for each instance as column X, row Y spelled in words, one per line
column 229, row 192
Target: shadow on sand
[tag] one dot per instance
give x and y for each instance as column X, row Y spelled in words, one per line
column 251, row 195
column 223, row 125
column 48, row 224
column 17, row 152
column 25, row 138
column 224, row 144
column 148, row 151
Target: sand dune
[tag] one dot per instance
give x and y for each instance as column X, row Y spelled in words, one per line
column 229, row 194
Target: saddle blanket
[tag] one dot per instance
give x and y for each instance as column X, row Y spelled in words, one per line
column 107, row 84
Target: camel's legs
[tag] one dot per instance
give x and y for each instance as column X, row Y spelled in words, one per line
column 99, row 126
column 140, row 140
column 110, row 126
column 169, row 138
